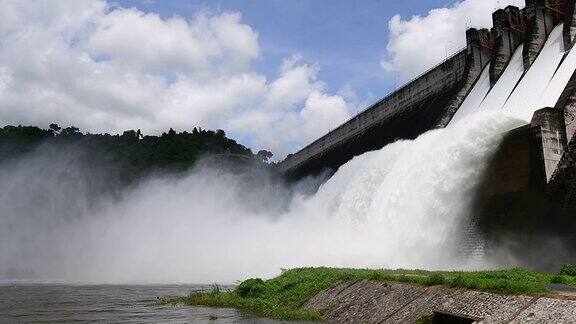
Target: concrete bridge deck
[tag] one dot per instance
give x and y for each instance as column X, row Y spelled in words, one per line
column 417, row 98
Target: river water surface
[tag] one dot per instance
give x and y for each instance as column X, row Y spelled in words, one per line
column 48, row 303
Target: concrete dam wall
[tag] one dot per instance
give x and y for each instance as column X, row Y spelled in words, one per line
column 524, row 66
column 462, row 84
column 422, row 104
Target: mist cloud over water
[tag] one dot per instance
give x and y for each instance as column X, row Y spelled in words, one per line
column 400, row 206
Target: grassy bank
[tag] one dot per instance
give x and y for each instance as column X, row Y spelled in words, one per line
column 283, row 296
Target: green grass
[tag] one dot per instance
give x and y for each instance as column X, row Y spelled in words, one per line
column 282, row 297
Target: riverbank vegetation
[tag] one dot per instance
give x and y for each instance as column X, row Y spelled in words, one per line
column 283, row 297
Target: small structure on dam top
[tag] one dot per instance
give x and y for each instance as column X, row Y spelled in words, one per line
column 530, row 186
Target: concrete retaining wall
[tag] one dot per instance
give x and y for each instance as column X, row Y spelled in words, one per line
column 376, row 302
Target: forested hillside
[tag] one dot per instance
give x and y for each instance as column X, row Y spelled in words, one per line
column 131, row 154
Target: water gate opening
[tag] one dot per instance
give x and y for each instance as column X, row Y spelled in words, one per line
column 439, row 317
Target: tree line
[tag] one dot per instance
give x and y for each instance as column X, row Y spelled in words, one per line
column 132, row 152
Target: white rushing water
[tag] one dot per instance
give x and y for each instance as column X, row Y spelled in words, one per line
column 559, row 81
column 527, row 97
column 521, row 94
column 475, row 97
column 400, row 206
column 498, row 95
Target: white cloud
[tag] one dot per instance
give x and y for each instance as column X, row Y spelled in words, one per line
column 322, row 113
column 146, row 41
column 419, row 43
column 295, row 109
column 107, row 69
column 5, row 78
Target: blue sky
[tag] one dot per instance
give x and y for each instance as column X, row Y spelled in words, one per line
column 274, row 74
column 347, row 38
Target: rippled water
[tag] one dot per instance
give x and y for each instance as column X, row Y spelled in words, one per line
column 42, row 303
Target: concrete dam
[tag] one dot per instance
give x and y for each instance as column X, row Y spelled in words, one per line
column 443, row 93
column 523, row 66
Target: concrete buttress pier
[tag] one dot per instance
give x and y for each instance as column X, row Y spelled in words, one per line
column 541, row 16
column 550, row 137
column 479, row 45
column 567, row 104
column 508, row 32
column 522, row 197
column 569, row 22
column 528, row 155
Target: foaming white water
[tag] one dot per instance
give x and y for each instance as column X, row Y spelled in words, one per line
column 400, row 206
column 519, row 94
column 527, row 97
column 498, row 95
column 558, row 83
column 472, row 102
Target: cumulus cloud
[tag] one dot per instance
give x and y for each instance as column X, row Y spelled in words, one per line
column 5, row 78
column 107, row 69
column 323, row 112
column 146, row 41
column 418, row 43
column 295, row 108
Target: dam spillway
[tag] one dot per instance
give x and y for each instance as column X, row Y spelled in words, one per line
column 391, row 203
column 522, row 64
column 524, row 46
column 525, row 68
column 380, row 124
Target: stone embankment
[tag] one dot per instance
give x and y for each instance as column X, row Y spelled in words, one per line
column 377, row 302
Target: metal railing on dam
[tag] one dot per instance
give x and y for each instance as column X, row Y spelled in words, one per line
column 435, row 80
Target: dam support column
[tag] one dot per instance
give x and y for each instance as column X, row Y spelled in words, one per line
column 562, row 187
column 570, row 120
column 551, row 137
column 569, row 22
column 540, row 16
column 508, row 32
column 526, row 158
column 479, row 46
column 567, row 104
column 513, row 204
